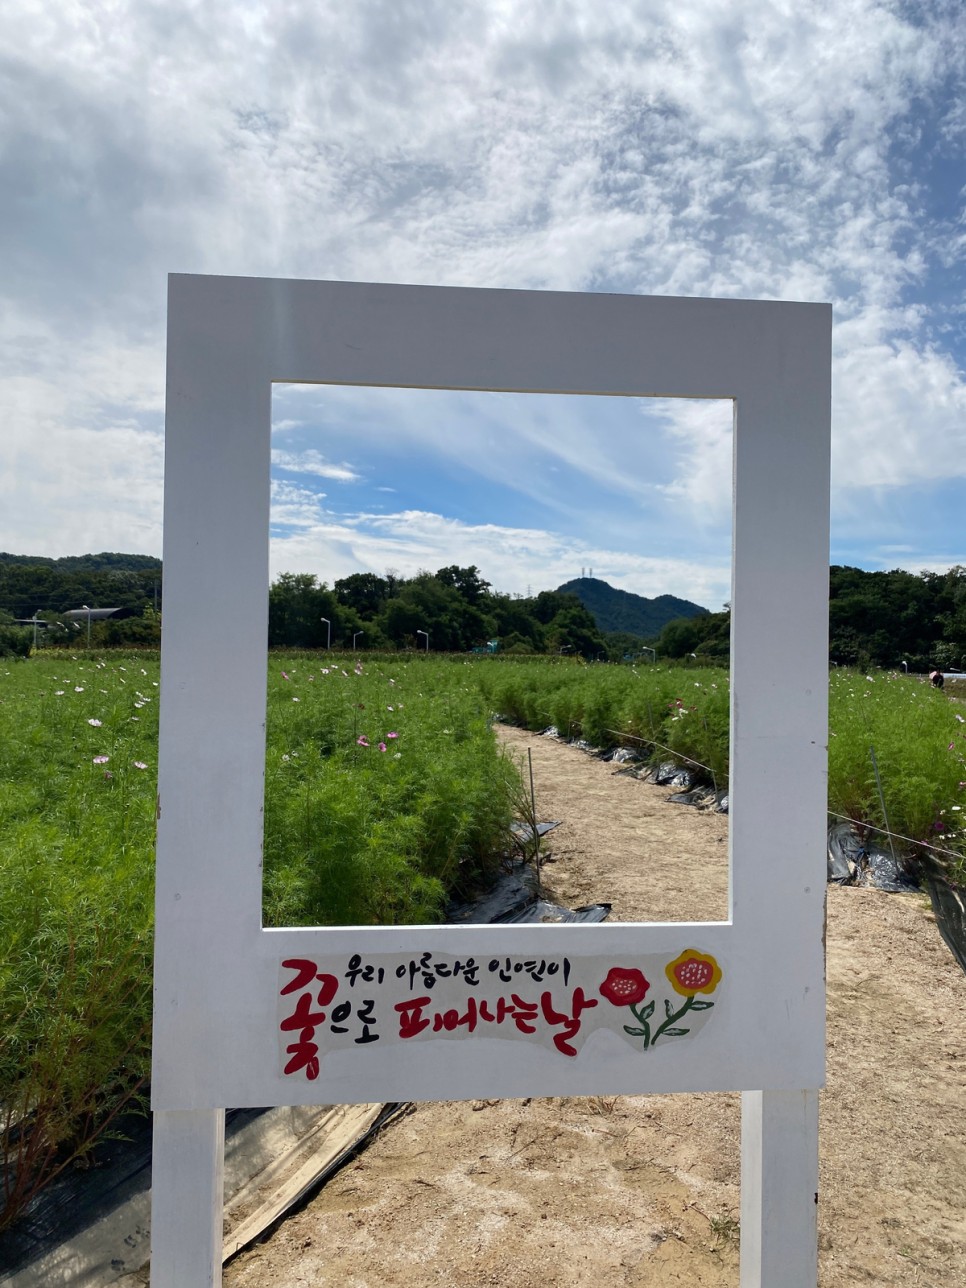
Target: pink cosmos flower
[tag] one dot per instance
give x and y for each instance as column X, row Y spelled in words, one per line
column 95, row 723
column 362, row 740
column 284, row 675
column 382, row 746
column 139, row 764
column 392, row 735
column 101, row 760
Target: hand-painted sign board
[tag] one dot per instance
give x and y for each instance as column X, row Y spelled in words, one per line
column 340, row 1004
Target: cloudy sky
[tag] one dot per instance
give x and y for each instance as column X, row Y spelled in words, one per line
column 765, row 149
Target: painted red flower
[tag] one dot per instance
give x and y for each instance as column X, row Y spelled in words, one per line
column 624, row 986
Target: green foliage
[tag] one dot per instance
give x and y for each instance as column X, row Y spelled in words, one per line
column 362, row 591
column 681, row 714
column 919, row 738
column 707, row 636
column 884, row 618
column 467, row 582
column 76, row 838
column 619, row 610
column 15, row 641
column 385, row 791
column 676, row 713
column 51, row 587
column 131, row 632
column 352, row 834
column 876, row 618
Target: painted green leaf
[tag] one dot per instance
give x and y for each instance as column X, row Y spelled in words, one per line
column 647, row 1012
column 675, row 1033
column 635, row 1033
column 668, row 1008
column 701, row 1006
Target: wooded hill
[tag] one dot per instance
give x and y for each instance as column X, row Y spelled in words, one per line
column 620, row 610
column 876, row 618
column 50, row 587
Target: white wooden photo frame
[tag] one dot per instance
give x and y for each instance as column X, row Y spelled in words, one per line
column 227, row 990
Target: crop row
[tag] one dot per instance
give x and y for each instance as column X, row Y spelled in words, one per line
column 917, row 734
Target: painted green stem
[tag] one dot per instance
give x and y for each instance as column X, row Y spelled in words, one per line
column 673, row 1019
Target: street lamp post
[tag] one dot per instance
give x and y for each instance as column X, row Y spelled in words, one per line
column 355, row 637
column 328, row 633
column 652, row 651
column 88, row 611
column 426, row 633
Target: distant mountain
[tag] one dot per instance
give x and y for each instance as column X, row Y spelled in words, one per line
column 619, row 610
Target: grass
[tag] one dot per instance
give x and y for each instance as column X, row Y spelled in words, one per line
column 77, row 796
column 681, row 714
column 673, row 713
column 919, row 739
column 385, row 793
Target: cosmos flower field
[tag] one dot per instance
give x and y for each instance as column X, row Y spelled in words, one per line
column 385, row 793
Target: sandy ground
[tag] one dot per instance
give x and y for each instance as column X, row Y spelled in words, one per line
column 644, row 1190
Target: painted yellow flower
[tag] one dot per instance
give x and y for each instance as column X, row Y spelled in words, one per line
column 693, row 972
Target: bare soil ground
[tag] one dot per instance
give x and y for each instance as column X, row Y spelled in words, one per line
column 630, row 1191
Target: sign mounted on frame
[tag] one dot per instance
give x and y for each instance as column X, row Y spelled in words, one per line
column 335, row 1004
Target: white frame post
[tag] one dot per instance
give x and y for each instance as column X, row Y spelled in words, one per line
column 226, row 1022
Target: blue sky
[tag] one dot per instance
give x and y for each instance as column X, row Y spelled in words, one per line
column 678, row 147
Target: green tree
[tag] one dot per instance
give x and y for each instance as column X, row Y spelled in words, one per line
column 296, row 605
column 467, row 582
column 363, row 591
column 573, row 630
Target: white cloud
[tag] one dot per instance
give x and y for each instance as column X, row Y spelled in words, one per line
column 81, row 449
column 513, row 560
column 768, row 149
column 312, row 462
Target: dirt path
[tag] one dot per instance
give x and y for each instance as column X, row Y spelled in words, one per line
column 624, row 1191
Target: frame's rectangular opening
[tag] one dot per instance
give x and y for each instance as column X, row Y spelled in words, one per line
column 415, row 529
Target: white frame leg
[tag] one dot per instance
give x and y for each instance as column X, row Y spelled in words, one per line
column 187, row 1198
column 779, row 1189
